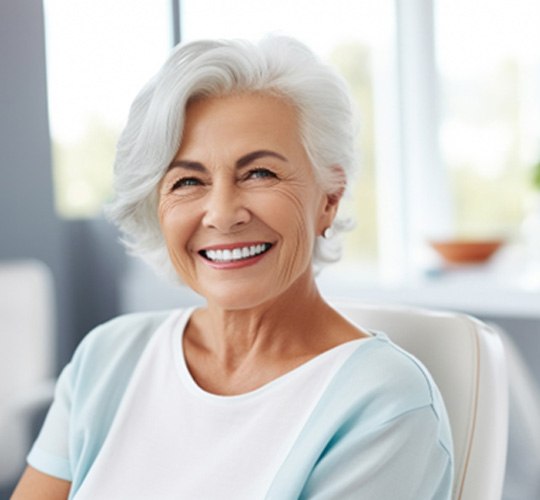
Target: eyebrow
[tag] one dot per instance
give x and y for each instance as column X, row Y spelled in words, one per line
column 251, row 157
column 240, row 163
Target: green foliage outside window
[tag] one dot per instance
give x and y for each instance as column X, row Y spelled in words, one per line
column 536, row 176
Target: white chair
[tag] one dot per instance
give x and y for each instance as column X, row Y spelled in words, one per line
column 466, row 359
column 26, row 358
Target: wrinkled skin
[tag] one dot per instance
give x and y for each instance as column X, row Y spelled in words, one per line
column 274, row 198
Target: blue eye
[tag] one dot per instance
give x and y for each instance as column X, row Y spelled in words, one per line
column 260, row 173
column 186, row 182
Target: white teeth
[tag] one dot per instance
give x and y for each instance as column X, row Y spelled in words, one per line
column 227, row 255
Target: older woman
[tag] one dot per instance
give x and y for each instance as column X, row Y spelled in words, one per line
column 229, row 175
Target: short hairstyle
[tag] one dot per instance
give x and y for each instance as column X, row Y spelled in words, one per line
column 277, row 65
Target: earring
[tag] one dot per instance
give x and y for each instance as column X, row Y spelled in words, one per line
column 328, row 233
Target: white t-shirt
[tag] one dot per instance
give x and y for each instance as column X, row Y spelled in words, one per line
column 361, row 421
column 199, row 445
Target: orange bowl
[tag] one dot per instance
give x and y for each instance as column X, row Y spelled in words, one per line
column 466, row 251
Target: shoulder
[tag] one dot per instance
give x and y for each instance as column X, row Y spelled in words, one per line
column 381, row 411
column 381, row 386
column 100, row 372
column 382, row 378
column 116, row 344
column 124, row 330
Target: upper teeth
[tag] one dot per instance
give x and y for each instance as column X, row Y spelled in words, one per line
column 227, row 255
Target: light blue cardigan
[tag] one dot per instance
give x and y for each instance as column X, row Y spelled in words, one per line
column 379, row 432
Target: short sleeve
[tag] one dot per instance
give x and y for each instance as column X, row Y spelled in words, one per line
column 50, row 452
column 402, row 458
column 88, row 393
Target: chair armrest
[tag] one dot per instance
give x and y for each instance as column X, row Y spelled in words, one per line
column 32, row 399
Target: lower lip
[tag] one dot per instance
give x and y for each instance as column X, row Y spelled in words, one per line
column 236, row 264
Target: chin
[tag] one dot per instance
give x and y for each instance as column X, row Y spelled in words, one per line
column 238, row 296
column 246, row 293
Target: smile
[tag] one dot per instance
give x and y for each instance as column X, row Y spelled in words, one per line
column 235, row 254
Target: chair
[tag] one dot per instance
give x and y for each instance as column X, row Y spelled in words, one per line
column 26, row 358
column 466, row 359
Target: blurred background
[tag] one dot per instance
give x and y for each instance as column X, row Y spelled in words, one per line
column 448, row 97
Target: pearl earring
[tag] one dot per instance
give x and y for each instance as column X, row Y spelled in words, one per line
column 328, row 233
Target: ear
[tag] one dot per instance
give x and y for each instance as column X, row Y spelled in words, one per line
column 331, row 200
column 331, row 205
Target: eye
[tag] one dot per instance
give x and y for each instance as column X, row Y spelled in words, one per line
column 260, row 173
column 186, row 182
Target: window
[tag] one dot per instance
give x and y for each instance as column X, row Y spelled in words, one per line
column 448, row 94
column 488, row 55
column 99, row 54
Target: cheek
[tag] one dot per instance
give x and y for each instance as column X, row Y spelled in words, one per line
column 176, row 226
column 293, row 215
column 287, row 211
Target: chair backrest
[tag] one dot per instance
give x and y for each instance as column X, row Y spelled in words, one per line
column 26, row 356
column 466, row 360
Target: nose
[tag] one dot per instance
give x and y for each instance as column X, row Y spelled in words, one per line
column 225, row 209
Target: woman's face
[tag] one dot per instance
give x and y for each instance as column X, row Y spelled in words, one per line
column 239, row 206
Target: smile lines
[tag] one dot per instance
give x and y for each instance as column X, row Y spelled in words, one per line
column 235, row 254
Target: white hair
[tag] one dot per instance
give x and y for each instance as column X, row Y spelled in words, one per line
column 277, row 65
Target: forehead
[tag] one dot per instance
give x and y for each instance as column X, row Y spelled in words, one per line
column 248, row 101
column 253, row 120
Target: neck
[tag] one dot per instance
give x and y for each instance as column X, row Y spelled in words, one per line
column 281, row 327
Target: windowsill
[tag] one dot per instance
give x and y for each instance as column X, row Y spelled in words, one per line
column 507, row 286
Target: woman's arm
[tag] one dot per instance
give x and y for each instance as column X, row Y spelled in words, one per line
column 36, row 485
